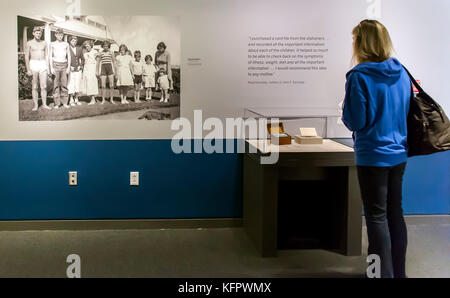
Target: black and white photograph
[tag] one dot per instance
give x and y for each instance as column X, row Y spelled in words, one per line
column 98, row 68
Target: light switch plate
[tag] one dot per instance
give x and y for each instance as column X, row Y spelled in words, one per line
column 73, row 178
column 134, row 178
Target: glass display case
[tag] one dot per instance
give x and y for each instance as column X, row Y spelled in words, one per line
column 326, row 121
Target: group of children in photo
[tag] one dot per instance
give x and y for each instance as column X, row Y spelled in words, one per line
column 76, row 70
column 130, row 72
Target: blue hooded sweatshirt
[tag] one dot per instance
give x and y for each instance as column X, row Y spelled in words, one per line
column 375, row 108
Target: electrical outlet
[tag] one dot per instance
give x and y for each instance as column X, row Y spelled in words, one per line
column 73, row 180
column 134, row 178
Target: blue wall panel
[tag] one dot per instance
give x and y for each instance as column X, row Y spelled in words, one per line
column 426, row 188
column 34, row 181
column 426, row 183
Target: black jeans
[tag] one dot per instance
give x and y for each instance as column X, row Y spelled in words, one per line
column 381, row 192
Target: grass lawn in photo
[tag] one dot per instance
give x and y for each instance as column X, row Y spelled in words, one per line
column 160, row 110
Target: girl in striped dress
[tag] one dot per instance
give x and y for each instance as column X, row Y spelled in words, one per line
column 106, row 65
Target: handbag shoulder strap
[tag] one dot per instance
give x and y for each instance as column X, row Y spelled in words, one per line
column 413, row 80
column 430, row 100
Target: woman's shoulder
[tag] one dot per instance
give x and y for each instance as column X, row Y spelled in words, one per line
column 353, row 74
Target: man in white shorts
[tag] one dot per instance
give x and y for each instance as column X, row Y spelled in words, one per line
column 36, row 61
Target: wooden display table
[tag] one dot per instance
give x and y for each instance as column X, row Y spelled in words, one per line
column 309, row 199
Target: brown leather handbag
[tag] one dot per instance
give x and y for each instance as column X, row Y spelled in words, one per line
column 428, row 125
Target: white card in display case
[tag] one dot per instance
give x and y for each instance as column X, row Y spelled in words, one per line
column 308, row 132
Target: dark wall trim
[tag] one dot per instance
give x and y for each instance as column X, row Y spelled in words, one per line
column 134, row 224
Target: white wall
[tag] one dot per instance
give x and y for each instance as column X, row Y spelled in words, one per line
column 217, row 32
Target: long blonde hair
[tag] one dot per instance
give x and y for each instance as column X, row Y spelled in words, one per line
column 371, row 42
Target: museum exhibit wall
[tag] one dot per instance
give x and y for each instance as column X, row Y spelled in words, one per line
column 216, row 39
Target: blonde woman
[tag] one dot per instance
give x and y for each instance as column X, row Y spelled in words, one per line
column 375, row 108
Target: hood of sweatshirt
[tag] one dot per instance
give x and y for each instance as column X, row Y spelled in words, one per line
column 388, row 71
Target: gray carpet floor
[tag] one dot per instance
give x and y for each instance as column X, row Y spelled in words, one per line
column 204, row 253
